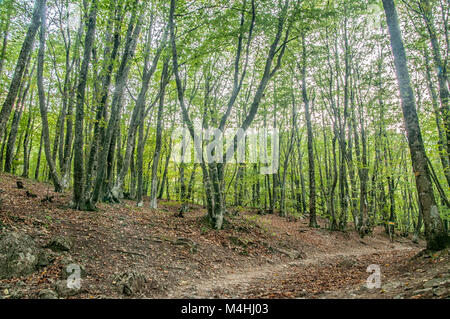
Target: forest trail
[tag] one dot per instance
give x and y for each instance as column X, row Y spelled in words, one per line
column 240, row 283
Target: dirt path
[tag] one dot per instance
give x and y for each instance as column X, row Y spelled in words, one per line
column 244, row 282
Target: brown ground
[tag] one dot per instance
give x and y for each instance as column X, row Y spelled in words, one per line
column 253, row 257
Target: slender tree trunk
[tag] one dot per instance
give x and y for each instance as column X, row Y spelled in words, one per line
column 78, row 185
column 190, row 191
column 43, row 107
column 441, row 67
column 109, row 60
column 156, row 155
column 132, row 188
column 437, row 114
column 20, row 65
column 133, row 32
column 140, row 160
column 309, row 131
column 16, row 120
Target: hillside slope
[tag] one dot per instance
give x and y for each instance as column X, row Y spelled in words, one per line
column 158, row 255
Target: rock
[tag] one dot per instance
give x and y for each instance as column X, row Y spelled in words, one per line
column 432, row 283
column 129, row 283
column 437, row 282
column 45, row 258
column 441, row 292
column 363, row 288
column 13, row 294
column 64, row 291
column 392, row 285
column 47, row 294
column 293, row 254
column 424, row 293
column 18, row 255
column 59, row 243
column 400, row 296
column 13, row 290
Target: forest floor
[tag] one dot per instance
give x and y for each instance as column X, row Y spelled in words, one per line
column 254, row 256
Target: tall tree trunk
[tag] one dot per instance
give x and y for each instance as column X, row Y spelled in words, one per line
column 140, row 104
column 437, row 114
column 364, row 227
column 441, row 67
column 78, row 186
column 140, row 160
column 352, row 138
column 156, row 155
column 332, row 206
column 309, row 131
column 437, row 238
column 110, row 56
column 5, row 42
column 16, row 119
column 133, row 32
column 132, row 188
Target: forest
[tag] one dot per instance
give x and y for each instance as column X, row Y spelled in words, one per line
column 333, row 114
